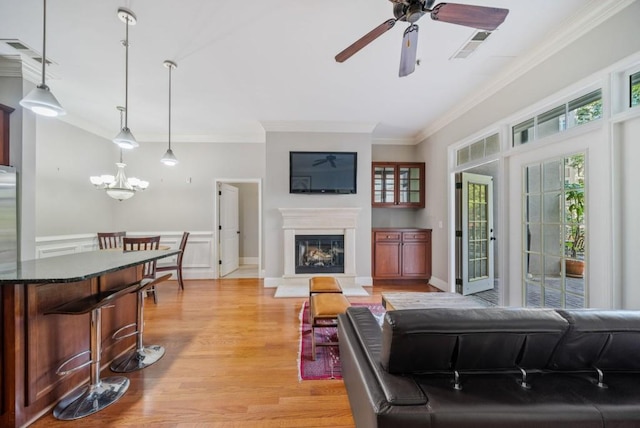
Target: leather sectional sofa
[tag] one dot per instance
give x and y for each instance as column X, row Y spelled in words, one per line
column 492, row 367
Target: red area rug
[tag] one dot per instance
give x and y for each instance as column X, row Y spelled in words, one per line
column 327, row 362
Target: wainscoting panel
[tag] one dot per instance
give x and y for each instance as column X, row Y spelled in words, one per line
column 198, row 257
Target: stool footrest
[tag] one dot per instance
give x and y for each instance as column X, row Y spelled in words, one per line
column 61, row 372
column 115, row 336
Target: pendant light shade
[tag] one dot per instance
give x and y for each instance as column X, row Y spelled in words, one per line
column 125, row 139
column 40, row 100
column 169, row 158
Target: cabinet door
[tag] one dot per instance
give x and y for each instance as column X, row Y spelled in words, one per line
column 411, row 185
column 384, row 185
column 387, row 260
column 386, row 254
column 397, row 184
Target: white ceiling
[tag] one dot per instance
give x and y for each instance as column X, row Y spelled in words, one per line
column 244, row 66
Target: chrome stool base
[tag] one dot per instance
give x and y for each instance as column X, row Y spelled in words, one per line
column 137, row 359
column 91, row 399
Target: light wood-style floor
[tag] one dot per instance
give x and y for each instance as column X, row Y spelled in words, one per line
column 230, row 361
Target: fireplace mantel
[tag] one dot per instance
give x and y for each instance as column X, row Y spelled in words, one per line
column 309, row 221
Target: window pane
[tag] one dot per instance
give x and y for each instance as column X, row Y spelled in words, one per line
column 523, row 132
column 477, row 150
column 532, row 179
column 635, row 89
column 585, row 109
column 552, row 122
column 552, row 175
column 463, row 155
column 492, row 145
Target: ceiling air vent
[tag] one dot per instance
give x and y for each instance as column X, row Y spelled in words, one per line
column 471, row 45
column 26, row 50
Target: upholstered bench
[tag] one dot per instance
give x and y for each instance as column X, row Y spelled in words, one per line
column 324, row 309
column 322, row 284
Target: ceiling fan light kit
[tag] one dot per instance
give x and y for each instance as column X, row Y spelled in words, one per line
column 480, row 17
column 40, row 100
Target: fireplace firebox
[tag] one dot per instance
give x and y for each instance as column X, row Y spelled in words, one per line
column 319, row 254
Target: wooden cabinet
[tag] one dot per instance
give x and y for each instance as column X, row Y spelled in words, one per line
column 401, row 254
column 397, row 184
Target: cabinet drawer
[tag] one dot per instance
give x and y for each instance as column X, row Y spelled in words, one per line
column 415, row 236
column 387, row 236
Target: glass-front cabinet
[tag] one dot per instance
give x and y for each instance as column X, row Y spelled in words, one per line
column 397, row 184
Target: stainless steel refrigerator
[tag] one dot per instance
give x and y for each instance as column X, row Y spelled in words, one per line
column 8, row 219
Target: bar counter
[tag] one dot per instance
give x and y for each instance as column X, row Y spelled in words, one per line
column 34, row 344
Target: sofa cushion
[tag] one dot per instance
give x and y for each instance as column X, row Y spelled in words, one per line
column 445, row 339
column 607, row 339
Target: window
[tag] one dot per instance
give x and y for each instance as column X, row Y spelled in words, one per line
column 554, row 233
column 584, row 109
column 478, row 150
column 634, row 91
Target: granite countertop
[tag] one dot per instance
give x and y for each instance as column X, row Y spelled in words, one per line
column 77, row 267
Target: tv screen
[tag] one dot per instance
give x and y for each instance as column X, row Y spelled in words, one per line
column 323, row 172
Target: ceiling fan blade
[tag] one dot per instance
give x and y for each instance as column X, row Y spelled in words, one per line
column 365, row 40
column 483, row 18
column 409, row 50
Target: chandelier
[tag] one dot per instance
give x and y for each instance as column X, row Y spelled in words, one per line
column 119, row 187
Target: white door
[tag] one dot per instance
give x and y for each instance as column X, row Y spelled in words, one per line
column 229, row 229
column 477, row 233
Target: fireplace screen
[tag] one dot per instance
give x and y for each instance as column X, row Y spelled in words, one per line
column 319, row 254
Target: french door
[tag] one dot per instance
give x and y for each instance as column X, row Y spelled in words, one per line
column 475, row 233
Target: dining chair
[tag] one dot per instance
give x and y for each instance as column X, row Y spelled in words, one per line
column 177, row 266
column 149, row 269
column 110, row 239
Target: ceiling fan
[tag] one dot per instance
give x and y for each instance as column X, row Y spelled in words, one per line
column 329, row 158
column 481, row 17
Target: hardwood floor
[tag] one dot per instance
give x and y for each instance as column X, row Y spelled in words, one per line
column 230, row 361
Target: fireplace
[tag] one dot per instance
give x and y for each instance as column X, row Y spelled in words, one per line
column 315, row 222
column 319, row 254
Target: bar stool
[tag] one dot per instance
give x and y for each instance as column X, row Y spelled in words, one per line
column 326, row 308
column 322, row 284
column 142, row 356
column 101, row 392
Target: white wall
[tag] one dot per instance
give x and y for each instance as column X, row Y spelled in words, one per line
column 276, row 193
column 66, row 202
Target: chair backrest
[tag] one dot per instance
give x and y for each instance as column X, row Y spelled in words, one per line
column 110, row 239
column 183, row 245
column 143, row 244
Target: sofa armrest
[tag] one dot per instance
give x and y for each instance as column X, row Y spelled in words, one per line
column 398, row 390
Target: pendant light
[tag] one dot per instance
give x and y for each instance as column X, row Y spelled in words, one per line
column 119, row 186
column 40, row 100
column 169, row 158
column 125, row 138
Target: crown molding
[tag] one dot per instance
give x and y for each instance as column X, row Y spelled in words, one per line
column 394, row 141
column 10, row 66
column 595, row 13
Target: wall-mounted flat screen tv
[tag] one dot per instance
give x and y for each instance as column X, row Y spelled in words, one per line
column 323, row 172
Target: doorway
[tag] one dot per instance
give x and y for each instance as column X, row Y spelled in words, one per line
column 477, row 232
column 238, row 228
